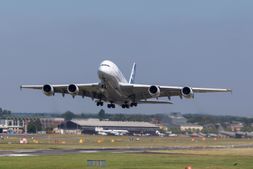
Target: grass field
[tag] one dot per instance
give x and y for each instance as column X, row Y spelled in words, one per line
column 232, row 158
column 130, row 161
column 90, row 141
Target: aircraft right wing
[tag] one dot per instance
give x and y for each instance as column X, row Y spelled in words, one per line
column 140, row 92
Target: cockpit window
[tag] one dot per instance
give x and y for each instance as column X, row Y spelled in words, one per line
column 105, row 65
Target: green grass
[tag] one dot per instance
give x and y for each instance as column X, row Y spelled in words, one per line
column 72, row 141
column 176, row 159
column 129, row 161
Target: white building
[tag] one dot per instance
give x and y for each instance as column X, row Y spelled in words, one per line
column 191, row 127
column 12, row 126
column 89, row 125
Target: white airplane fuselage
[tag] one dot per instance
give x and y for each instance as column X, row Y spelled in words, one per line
column 111, row 76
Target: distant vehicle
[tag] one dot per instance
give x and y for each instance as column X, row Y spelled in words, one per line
column 102, row 133
column 212, row 135
column 159, row 133
column 195, row 135
column 172, row 135
column 113, row 88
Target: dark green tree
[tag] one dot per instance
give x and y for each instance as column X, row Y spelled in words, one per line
column 68, row 115
column 4, row 112
column 34, row 126
column 101, row 114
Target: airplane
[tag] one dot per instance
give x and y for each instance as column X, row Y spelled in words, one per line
column 159, row 133
column 114, row 89
column 101, row 131
column 236, row 134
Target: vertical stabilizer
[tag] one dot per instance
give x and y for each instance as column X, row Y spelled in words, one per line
column 132, row 76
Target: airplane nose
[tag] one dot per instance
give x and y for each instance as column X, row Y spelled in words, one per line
column 102, row 71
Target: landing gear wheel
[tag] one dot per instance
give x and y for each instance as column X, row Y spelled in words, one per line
column 125, row 106
column 133, row 105
column 111, row 106
column 100, row 103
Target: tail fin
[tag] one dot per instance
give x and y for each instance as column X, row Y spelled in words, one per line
column 132, row 76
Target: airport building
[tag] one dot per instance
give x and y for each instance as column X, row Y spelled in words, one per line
column 191, row 127
column 13, row 126
column 88, row 126
column 235, row 126
column 51, row 123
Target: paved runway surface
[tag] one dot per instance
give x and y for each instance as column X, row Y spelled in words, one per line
column 20, row 153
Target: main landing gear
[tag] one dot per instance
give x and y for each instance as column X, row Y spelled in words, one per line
column 111, row 106
column 100, row 103
column 127, row 106
column 133, row 104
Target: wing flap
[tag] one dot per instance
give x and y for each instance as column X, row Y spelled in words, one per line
column 154, row 102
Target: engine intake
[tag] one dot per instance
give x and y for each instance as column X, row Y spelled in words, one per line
column 187, row 92
column 48, row 90
column 154, row 91
column 73, row 89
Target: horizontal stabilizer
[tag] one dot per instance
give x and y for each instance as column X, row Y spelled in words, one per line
column 154, row 102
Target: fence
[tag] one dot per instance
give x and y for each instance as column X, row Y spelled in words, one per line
column 96, row 163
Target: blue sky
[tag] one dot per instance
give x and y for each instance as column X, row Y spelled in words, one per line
column 193, row 43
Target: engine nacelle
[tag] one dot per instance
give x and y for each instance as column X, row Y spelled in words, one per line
column 48, row 90
column 73, row 89
column 187, row 92
column 154, row 91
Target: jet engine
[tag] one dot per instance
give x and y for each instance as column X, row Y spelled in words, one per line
column 187, row 92
column 154, row 91
column 73, row 89
column 48, row 90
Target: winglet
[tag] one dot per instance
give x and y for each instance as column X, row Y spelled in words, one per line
column 132, row 76
column 230, row 91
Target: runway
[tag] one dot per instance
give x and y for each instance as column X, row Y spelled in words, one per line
column 27, row 152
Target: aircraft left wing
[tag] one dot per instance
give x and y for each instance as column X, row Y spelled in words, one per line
column 140, row 92
column 92, row 90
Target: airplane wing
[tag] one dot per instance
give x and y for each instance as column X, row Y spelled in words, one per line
column 140, row 92
column 92, row 90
